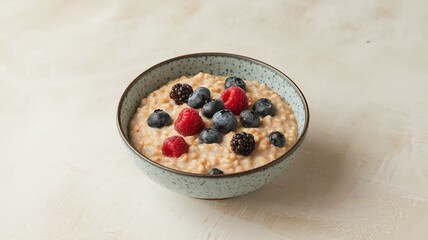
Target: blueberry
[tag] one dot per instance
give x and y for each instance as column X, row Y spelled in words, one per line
column 249, row 119
column 215, row 171
column 212, row 107
column 159, row 119
column 277, row 139
column 199, row 97
column 235, row 81
column 224, row 121
column 209, row 135
column 264, row 107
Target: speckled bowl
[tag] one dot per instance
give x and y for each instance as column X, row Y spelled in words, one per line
column 224, row 64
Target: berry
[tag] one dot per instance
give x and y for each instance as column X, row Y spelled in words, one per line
column 243, row 143
column 212, row 107
column 159, row 119
column 199, row 97
column 264, row 107
column 209, row 135
column 174, row 146
column 180, row 93
column 234, row 99
column 277, row 139
column 188, row 122
column 215, row 171
column 234, row 81
column 249, row 119
column 224, row 121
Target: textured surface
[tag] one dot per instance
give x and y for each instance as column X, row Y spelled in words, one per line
column 361, row 174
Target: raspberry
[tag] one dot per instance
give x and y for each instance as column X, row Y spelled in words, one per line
column 234, row 99
column 174, row 146
column 180, row 93
column 242, row 143
column 188, row 122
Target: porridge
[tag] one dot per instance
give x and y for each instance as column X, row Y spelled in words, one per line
column 213, row 125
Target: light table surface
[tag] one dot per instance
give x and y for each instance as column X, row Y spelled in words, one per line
column 362, row 172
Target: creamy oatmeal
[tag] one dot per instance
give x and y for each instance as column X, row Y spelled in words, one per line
column 200, row 158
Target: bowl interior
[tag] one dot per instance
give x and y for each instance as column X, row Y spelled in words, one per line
column 216, row 64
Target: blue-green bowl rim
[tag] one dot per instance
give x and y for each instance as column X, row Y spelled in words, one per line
column 215, row 54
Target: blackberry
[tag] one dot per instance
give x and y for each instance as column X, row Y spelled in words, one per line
column 180, row 93
column 243, row 143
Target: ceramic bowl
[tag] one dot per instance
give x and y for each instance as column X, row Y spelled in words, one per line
column 223, row 64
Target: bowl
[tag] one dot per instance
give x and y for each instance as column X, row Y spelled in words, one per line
column 223, row 64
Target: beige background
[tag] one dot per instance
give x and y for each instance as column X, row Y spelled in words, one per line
column 361, row 174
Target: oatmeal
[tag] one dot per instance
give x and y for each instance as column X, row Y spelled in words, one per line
column 213, row 149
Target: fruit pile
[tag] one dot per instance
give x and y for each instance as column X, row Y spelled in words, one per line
column 233, row 101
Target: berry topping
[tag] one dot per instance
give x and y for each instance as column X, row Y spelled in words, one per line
column 199, row 97
column 180, row 93
column 234, row 99
column 234, row 81
column 215, row 171
column 243, row 143
column 264, row 107
column 212, row 107
column 249, row 119
column 224, row 121
column 159, row 119
column 188, row 122
column 209, row 135
column 174, row 146
column 277, row 139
